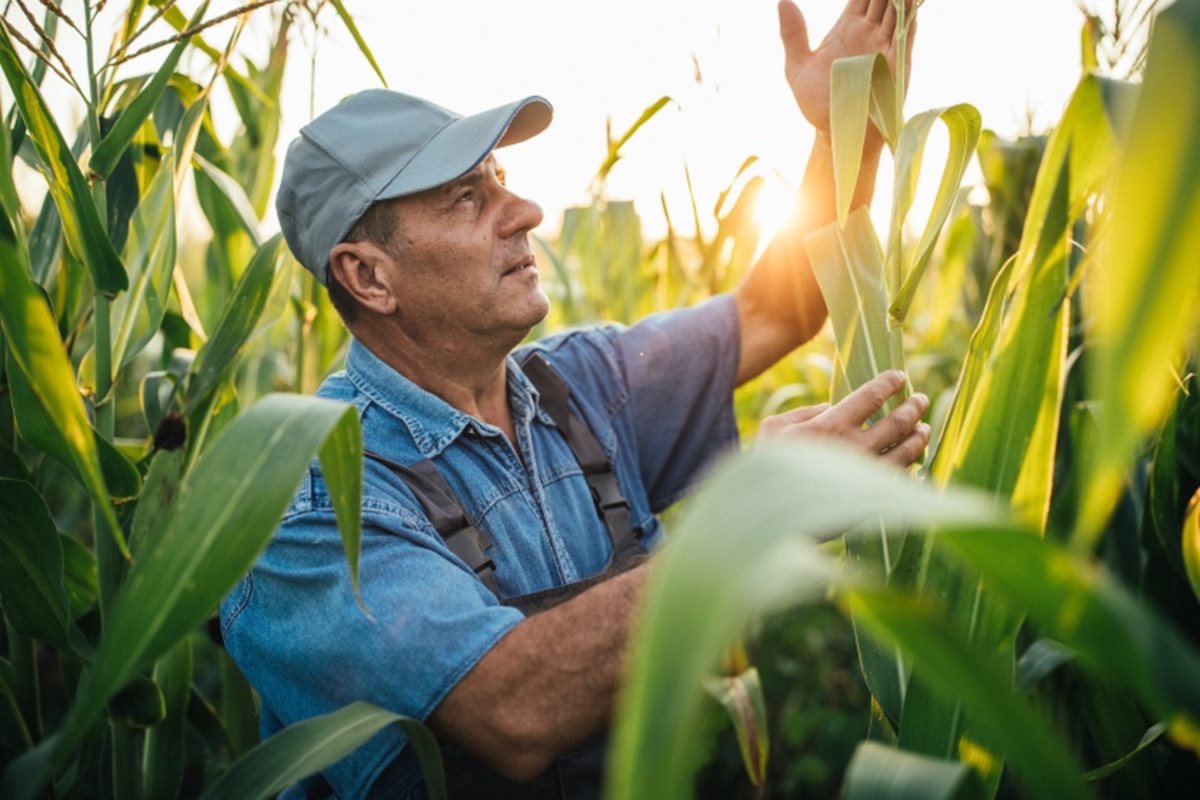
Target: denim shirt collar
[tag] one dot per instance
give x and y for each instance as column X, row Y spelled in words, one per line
column 432, row 422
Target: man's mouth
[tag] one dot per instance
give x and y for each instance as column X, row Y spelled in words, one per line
column 524, row 266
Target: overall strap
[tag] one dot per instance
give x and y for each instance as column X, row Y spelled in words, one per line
column 597, row 469
column 447, row 515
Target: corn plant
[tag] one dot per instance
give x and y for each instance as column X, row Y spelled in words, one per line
column 946, row 579
column 123, row 388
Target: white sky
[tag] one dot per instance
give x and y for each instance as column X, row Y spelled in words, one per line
column 593, row 60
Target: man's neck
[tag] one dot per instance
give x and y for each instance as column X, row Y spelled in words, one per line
column 470, row 377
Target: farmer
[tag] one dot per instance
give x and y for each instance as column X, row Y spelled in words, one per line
column 509, row 497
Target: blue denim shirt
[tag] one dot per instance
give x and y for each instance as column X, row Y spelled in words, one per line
column 658, row 396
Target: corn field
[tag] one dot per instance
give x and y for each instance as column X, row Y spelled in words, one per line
column 1020, row 617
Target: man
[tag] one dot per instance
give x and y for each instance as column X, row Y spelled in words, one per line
column 509, row 499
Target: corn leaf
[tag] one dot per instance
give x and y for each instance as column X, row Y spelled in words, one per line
column 150, row 254
column 307, row 747
column 1191, row 543
column 82, row 227
column 227, row 508
column 615, row 145
column 165, row 750
column 876, row 772
column 741, row 696
column 730, row 561
column 237, row 322
column 31, row 570
column 348, row 21
column 37, row 358
column 1147, row 295
column 932, row 642
column 106, row 155
column 861, row 90
column 963, row 123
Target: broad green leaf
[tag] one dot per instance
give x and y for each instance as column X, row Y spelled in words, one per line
column 876, row 772
column 81, row 579
column 226, row 510
column 307, row 747
column 10, row 202
column 930, row 640
column 1081, row 607
column 82, row 227
column 165, row 751
column 159, row 493
column 31, row 569
column 848, row 265
column 1191, row 543
column 150, row 255
column 237, row 321
column 963, row 124
column 1146, row 295
column 861, row 90
column 37, row 355
column 234, row 196
column 38, row 428
column 139, row 704
column 113, row 145
column 728, row 562
column 348, row 21
column 741, row 696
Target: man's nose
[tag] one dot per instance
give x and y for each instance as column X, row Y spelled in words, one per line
column 522, row 216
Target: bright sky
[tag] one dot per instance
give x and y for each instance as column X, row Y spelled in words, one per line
column 593, row 60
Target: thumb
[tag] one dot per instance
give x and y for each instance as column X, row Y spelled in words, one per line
column 793, row 30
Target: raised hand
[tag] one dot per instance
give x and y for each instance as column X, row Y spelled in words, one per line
column 900, row 437
column 866, row 26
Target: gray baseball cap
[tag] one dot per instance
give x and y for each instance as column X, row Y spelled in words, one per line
column 379, row 144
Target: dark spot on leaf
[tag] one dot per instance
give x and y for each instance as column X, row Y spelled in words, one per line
column 171, row 433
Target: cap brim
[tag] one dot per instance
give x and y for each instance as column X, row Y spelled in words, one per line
column 463, row 144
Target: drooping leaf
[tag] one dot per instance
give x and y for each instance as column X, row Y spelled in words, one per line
column 729, row 561
column 307, row 747
column 876, row 772
column 226, row 511
column 31, row 569
column 741, row 696
column 861, row 91
column 113, row 145
column 348, row 21
column 82, row 227
column 1147, row 294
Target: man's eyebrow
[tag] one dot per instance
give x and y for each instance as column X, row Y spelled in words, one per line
column 470, row 179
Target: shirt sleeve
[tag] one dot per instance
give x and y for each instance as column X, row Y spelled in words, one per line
column 301, row 639
column 680, row 371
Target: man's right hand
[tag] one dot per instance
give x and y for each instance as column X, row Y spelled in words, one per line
column 900, row 437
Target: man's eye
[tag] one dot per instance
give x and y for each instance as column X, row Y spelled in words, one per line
column 469, row 194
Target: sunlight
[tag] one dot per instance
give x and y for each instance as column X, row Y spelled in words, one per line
column 773, row 208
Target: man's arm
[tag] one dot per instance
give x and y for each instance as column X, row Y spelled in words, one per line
column 779, row 304
column 547, row 686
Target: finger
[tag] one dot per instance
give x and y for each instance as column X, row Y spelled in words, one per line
column 803, row 413
column 888, row 26
column 907, row 452
column 858, row 7
column 858, row 406
column 876, row 8
column 793, row 30
column 898, row 425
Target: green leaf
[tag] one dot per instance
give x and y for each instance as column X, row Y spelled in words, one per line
column 741, row 696
column 861, row 90
column 150, row 254
column 159, row 493
column 1152, row 735
column 1191, row 543
column 876, row 772
column 37, row 358
column 80, row 576
column 233, row 195
column 237, row 322
column 139, row 704
column 615, row 145
column 963, row 123
column 1146, row 294
column 730, row 560
column 348, row 21
column 31, row 569
column 200, row 550
column 82, row 227
column 962, row 672
column 307, row 747
column 165, row 750
column 106, row 155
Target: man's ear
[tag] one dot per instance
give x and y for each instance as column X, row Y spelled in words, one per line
column 366, row 272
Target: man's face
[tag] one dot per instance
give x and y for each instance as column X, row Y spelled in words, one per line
column 463, row 260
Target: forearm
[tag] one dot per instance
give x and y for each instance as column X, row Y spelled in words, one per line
column 548, row 685
column 779, row 304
